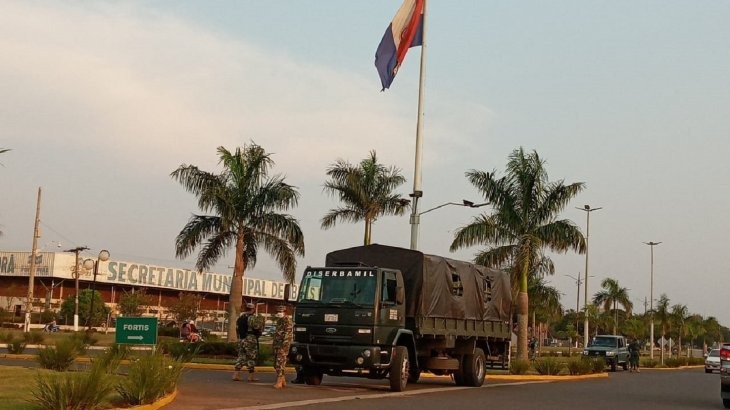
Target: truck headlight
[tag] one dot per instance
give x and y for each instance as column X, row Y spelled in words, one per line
column 585, row 352
column 300, row 329
column 366, row 353
column 609, row 353
column 294, row 349
column 364, row 331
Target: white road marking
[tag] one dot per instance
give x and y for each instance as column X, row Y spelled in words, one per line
column 378, row 396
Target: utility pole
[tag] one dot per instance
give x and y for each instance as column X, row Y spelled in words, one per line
column 651, row 302
column 31, row 273
column 588, row 210
column 76, row 279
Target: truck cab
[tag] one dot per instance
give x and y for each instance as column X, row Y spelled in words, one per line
column 351, row 321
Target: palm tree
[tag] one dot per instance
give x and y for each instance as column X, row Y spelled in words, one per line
column 246, row 202
column 523, row 225
column 663, row 314
column 679, row 316
column 695, row 328
column 611, row 296
column 594, row 316
column 367, row 192
column 544, row 302
column 712, row 329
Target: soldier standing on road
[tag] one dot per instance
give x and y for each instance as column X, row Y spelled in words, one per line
column 248, row 348
column 281, row 342
column 634, row 355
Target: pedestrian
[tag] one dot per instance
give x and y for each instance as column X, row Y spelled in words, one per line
column 248, row 344
column 634, row 355
column 280, row 344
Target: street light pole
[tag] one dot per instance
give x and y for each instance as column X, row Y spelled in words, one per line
column 588, row 210
column 76, row 280
column 578, row 282
column 88, row 264
column 416, row 217
column 31, row 272
column 651, row 300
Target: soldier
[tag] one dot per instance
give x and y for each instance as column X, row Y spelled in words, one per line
column 281, row 342
column 248, row 345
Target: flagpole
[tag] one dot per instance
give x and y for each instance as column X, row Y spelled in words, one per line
column 417, row 191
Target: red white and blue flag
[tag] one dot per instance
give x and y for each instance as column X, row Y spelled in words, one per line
column 404, row 32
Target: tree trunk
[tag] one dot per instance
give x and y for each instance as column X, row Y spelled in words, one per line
column 368, row 231
column 522, row 324
column 236, row 296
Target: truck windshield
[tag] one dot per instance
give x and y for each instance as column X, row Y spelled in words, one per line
column 604, row 342
column 354, row 286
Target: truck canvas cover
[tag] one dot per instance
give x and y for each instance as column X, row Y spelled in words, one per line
column 437, row 286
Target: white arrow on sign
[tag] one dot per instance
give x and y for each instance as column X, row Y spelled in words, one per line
column 135, row 337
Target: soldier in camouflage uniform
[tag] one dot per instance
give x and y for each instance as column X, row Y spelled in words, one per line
column 281, row 342
column 248, row 331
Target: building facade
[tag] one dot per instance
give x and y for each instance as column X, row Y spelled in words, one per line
column 55, row 280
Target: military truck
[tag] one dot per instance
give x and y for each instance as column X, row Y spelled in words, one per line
column 385, row 312
column 612, row 348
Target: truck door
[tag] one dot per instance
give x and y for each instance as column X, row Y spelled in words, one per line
column 391, row 313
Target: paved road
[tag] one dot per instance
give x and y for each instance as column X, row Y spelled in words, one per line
column 651, row 389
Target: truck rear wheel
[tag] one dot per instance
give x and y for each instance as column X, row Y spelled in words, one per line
column 399, row 369
column 474, row 368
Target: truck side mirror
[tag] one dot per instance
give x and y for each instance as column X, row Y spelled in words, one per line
column 400, row 295
column 287, row 291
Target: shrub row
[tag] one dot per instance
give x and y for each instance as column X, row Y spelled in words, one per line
column 555, row 366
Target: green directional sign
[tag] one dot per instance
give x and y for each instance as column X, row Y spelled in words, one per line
column 136, row 330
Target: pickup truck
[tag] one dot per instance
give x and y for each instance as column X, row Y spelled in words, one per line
column 612, row 348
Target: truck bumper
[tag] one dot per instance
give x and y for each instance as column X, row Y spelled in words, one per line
column 355, row 357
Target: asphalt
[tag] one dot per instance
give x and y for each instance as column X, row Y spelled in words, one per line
column 205, row 385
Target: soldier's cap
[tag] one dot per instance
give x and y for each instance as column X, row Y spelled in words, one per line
column 250, row 306
column 281, row 308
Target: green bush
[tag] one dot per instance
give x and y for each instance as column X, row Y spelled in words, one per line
column 696, row 361
column 150, row 378
column 519, row 366
column 73, row 390
column 59, row 357
column 673, row 362
column 599, row 365
column 85, row 339
column 549, row 366
column 112, row 357
column 33, row 338
column 218, row 348
column 6, row 337
column 16, row 346
column 578, row 366
column 183, row 352
column 649, row 363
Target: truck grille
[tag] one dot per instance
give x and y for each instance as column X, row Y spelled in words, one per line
column 330, row 339
column 596, row 354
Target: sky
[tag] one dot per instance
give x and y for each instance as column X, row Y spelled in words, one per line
column 100, row 102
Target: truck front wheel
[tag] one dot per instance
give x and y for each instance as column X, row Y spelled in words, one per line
column 399, row 369
column 613, row 365
column 474, row 368
column 312, row 377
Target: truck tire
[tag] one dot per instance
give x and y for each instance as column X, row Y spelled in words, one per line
column 613, row 366
column 726, row 403
column 399, row 369
column 474, row 368
column 312, row 377
column 625, row 365
column 414, row 373
column 458, row 374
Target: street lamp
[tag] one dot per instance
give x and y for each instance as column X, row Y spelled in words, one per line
column 416, row 218
column 588, row 210
column 76, row 280
column 89, row 264
column 651, row 300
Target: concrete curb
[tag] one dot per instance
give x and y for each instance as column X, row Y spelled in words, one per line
column 164, row 401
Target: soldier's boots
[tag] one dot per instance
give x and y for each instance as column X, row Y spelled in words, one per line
column 252, row 378
column 236, row 376
column 280, row 382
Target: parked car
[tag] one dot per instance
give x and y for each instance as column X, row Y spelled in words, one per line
column 712, row 361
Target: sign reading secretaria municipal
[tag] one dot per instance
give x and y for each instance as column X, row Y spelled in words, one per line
column 61, row 265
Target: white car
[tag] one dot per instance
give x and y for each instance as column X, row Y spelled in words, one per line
column 712, row 361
